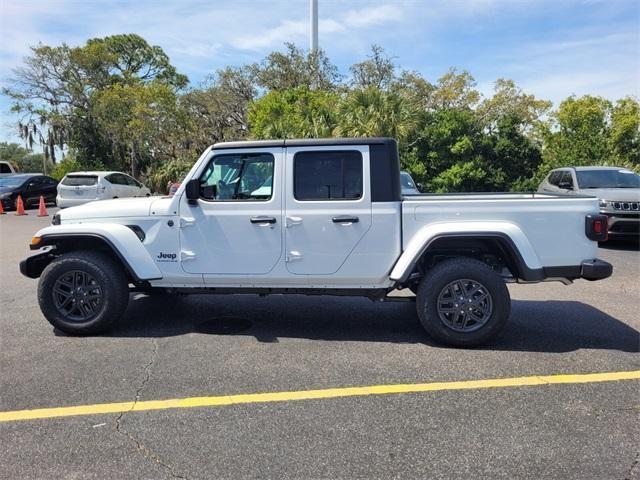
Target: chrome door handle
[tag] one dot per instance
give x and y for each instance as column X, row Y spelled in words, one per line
column 345, row 219
column 262, row 220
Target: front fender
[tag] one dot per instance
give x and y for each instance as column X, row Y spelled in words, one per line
column 120, row 238
column 426, row 235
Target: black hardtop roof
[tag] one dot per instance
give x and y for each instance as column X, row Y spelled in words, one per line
column 305, row 142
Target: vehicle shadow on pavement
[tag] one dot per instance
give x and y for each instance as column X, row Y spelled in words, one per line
column 536, row 326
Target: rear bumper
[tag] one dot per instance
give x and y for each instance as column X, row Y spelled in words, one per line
column 595, row 269
column 65, row 202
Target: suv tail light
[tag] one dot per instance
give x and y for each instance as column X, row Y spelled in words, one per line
column 596, row 227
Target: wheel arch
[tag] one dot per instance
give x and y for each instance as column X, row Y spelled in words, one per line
column 504, row 240
column 118, row 241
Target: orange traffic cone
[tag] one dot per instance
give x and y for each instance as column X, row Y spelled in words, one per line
column 42, row 209
column 1, row 209
column 20, row 207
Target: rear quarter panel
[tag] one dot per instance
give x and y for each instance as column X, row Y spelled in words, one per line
column 553, row 225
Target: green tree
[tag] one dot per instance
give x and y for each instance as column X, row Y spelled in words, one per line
column 55, row 91
column 138, row 117
column 218, row 110
column 296, row 68
column 624, row 139
column 23, row 160
column 294, row 113
column 378, row 71
column 372, row 112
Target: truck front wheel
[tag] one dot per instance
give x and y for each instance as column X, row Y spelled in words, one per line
column 462, row 302
column 83, row 293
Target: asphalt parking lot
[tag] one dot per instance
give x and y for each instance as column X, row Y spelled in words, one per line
column 219, row 346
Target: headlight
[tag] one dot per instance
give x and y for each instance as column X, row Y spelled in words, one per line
column 5, row 195
column 604, row 204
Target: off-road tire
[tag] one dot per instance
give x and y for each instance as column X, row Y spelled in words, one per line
column 444, row 274
column 105, row 272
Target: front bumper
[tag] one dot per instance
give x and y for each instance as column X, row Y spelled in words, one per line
column 33, row 266
column 623, row 223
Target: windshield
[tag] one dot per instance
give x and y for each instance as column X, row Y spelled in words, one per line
column 12, row 182
column 79, row 180
column 607, row 179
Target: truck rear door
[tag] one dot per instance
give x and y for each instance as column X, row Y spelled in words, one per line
column 327, row 206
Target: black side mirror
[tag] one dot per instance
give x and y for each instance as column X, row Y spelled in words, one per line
column 192, row 190
column 565, row 185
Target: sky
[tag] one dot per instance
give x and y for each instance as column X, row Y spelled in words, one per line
column 551, row 48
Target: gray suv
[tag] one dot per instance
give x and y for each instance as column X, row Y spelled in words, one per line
column 617, row 188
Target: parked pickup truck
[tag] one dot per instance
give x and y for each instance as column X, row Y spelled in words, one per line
column 319, row 217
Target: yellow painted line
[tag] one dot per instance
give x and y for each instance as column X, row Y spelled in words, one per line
column 225, row 400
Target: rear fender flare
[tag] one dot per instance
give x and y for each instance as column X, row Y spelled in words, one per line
column 521, row 248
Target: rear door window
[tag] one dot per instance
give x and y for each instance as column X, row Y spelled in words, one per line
column 4, row 168
column 327, row 175
column 131, row 181
column 79, row 180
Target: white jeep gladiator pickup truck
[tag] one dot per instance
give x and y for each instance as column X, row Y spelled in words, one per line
column 314, row 217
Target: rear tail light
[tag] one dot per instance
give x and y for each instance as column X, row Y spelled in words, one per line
column 101, row 189
column 596, row 227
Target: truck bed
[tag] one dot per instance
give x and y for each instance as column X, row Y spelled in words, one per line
column 549, row 222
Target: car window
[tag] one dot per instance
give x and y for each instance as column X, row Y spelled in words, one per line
column 327, row 175
column 554, row 178
column 131, row 181
column 238, row 177
column 566, row 178
column 11, row 182
column 4, row 168
column 608, row 179
column 406, row 180
column 35, row 182
column 116, row 179
column 49, row 181
column 79, row 180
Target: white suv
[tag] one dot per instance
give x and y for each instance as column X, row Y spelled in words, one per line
column 81, row 187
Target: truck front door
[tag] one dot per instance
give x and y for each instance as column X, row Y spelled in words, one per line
column 235, row 227
column 328, row 206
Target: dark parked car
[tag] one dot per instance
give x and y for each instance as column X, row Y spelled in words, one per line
column 29, row 186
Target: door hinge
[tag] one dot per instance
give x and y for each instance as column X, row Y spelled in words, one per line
column 186, row 255
column 186, row 222
column 291, row 221
column 293, row 255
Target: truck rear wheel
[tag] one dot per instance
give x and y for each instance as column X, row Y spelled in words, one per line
column 462, row 302
column 83, row 293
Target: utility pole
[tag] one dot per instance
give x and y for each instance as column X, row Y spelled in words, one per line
column 313, row 32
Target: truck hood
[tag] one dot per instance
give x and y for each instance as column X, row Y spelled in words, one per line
column 614, row 194
column 117, row 207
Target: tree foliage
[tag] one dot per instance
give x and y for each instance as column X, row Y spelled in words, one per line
column 117, row 102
